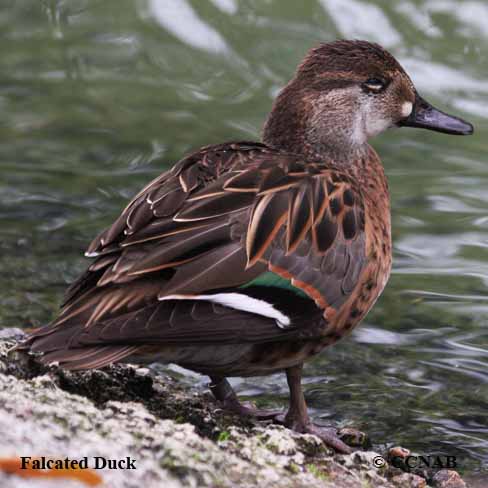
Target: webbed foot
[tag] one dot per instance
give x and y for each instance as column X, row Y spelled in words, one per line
column 328, row 435
column 227, row 398
column 296, row 418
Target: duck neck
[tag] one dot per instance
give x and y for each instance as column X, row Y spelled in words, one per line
column 291, row 127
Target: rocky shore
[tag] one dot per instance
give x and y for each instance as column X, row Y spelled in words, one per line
column 161, row 433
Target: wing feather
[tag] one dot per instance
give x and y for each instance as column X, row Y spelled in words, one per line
column 300, row 217
column 212, row 271
column 217, row 220
column 216, row 206
column 267, row 217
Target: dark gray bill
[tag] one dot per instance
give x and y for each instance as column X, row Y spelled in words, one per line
column 425, row 116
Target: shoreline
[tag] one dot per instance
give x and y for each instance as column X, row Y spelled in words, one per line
column 177, row 436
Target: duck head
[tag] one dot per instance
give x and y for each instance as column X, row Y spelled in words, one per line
column 345, row 92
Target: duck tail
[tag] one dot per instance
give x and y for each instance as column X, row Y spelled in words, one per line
column 52, row 345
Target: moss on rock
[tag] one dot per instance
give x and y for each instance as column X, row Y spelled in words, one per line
column 177, row 435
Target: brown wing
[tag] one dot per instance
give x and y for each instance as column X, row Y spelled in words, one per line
column 216, row 221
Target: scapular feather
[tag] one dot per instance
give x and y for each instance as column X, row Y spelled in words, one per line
column 324, row 233
column 195, row 242
column 169, row 205
column 220, row 268
column 138, row 217
column 159, row 192
column 299, row 217
column 246, row 181
column 215, row 207
column 189, row 178
column 267, row 217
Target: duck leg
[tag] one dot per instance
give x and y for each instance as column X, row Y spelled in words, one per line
column 227, row 397
column 297, row 418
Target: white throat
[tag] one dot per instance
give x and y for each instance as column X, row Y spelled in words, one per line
column 369, row 123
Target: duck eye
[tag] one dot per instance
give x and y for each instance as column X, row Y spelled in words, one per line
column 374, row 85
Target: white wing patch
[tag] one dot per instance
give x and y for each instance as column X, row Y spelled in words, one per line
column 240, row 301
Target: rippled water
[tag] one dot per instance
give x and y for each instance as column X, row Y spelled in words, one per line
column 97, row 97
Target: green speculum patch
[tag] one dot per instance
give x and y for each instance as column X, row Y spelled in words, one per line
column 272, row 279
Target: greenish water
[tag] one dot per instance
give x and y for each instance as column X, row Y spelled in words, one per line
column 98, row 97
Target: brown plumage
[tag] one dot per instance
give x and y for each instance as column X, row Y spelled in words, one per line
column 178, row 277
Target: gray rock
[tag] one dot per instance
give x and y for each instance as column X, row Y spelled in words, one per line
column 447, row 478
column 176, row 435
